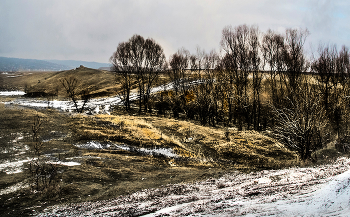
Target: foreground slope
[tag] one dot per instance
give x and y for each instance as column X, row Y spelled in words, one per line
column 105, row 156
column 315, row 191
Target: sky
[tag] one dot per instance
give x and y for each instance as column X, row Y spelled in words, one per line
column 90, row 30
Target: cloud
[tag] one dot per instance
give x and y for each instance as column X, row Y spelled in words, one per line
column 91, row 29
column 328, row 22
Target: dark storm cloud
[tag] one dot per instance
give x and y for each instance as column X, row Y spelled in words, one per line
column 91, row 29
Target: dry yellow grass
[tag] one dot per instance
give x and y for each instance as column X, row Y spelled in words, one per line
column 188, row 140
column 100, row 83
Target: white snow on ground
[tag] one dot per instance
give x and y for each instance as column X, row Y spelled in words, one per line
column 69, row 164
column 95, row 106
column 13, row 188
column 12, row 93
column 13, row 167
column 331, row 199
column 314, row 191
column 168, row 152
column 92, row 145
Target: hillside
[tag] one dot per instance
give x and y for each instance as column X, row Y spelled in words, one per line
column 76, row 63
column 100, row 83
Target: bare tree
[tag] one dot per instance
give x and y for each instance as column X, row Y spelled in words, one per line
column 42, row 173
column 207, row 92
column 272, row 51
column 294, row 59
column 233, row 43
column 301, row 124
column 325, row 66
column 179, row 62
column 154, row 64
column 122, row 63
column 332, row 69
column 241, row 45
column 255, row 62
column 71, row 87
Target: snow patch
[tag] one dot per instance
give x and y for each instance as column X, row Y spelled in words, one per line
column 264, row 180
column 12, row 93
column 13, row 167
column 13, row 188
column 69, row 164
column 92, row 145
column 168, row 152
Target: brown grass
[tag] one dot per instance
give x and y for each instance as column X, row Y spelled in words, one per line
column 187, row 139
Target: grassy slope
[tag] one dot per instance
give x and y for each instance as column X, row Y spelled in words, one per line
column 189, row 140
column 101, row 83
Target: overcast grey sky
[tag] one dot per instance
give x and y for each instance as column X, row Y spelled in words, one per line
column 90, row 30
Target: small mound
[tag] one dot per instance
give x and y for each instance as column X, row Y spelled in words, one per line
column 189, row 140
column 100, row 83
column 251, row 147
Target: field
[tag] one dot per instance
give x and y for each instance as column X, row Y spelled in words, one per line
column 103, row 156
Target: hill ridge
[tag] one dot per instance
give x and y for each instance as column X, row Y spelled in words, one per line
column 11, row 64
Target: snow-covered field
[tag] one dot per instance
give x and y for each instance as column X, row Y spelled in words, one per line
column 314, row 191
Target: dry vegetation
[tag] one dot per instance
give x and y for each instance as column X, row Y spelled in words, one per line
column 215, row 146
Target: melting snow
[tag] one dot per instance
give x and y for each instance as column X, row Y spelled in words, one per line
column 13, row 167
column 17, row 166
column 69, row 164
column 13, row 188
column 93, row 145
column 168, row 152
column 12, row 93
column 94, row 106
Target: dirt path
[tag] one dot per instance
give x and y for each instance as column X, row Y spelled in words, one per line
column 290, row 192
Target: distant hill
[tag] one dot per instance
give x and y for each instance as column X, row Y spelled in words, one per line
column 76, row 63
column 16, row 64
column 8, row 64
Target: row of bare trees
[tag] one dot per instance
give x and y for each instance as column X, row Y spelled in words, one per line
column 140, row 58
column 258, row 81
